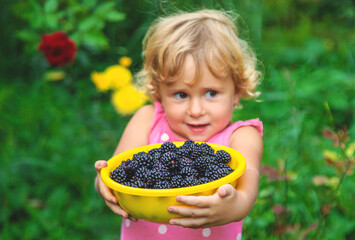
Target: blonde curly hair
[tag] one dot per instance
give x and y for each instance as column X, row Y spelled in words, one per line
column 211, row 38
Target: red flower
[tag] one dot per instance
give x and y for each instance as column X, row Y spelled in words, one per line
column 58, row 48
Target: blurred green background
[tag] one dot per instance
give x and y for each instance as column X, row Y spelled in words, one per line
column 51, row 133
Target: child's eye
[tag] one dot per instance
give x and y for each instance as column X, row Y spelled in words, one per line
column 180, row 95
column 211, row 93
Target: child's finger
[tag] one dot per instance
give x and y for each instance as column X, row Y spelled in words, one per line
column 196, row 201
column 225, row 190
column 117, row 209
column 99, row 165
column 189, row 222
column 106, row 193
column 191, row 212
column 120, row 211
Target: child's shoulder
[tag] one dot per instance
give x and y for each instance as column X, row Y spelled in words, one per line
column 246, row 135
column 139, row 124
column 147, row 110
column 145, row 114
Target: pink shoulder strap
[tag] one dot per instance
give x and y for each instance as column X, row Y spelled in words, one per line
column 223, row 137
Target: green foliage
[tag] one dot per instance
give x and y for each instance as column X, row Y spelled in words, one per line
column 51, row 133
column 83, row 20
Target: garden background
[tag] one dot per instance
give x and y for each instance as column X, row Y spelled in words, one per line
column 52, row 132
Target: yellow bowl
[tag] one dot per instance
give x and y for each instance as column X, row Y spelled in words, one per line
column 152, row 204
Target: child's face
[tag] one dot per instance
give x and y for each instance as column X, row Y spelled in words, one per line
column 198, row 112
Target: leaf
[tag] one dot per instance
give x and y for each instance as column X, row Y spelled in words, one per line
column 115, row 16
column 89, row 3
column 95, row 39
column 52, row 21
column 104, row 8
column 50, row 6
column 291, row 175
column 91, row 23
column 77, row 38
column 264, row 193
column 27, row 35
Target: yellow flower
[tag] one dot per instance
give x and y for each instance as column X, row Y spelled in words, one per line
column 125, row 61
column 54, row 76
column 101, row 82
column 118, row 76
column 127, row 100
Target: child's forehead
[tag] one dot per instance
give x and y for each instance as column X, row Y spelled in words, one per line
column 204, row 80
column 193, row 69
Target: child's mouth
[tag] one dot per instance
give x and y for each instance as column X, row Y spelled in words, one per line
column 198, row 128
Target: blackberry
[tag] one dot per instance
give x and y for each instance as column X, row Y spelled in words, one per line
column 225, row 166
column 155, row 153
column 186, row 149
column 189, row 171
column 196, row 151
column 118, row 175
column 141, row 157
column 190, row 181
column 177, row 181
column 159, row 166
column 187, row 144
column 140, row 184
column 150, row 162
column 169, row 158
column 162, row 185
column 185, row 162
column 160, row 174
column 207, row 149
column 165, row 174
column 155, row 176
column 182, row 152
column 222, row 172
column 203, row 180
column 222, row 156
column 129, row 184
column 128, row 167
column 211, row 172
column 202, row 162
column 168, row 147
column 135, row 165
column 142, row 174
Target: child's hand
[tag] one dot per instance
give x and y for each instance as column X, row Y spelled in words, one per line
column 106, row 193
column 225, row 206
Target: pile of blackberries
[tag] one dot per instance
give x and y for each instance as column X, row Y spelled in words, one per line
column 173, row 167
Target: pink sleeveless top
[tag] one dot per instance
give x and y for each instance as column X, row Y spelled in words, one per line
column 145, row 230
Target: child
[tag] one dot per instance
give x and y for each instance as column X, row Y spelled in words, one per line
column 196, row 70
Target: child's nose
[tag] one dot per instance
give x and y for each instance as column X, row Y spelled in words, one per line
column 196, row 108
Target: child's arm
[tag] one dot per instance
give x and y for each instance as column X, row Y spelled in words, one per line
column 227, row 204
column 135, row 135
